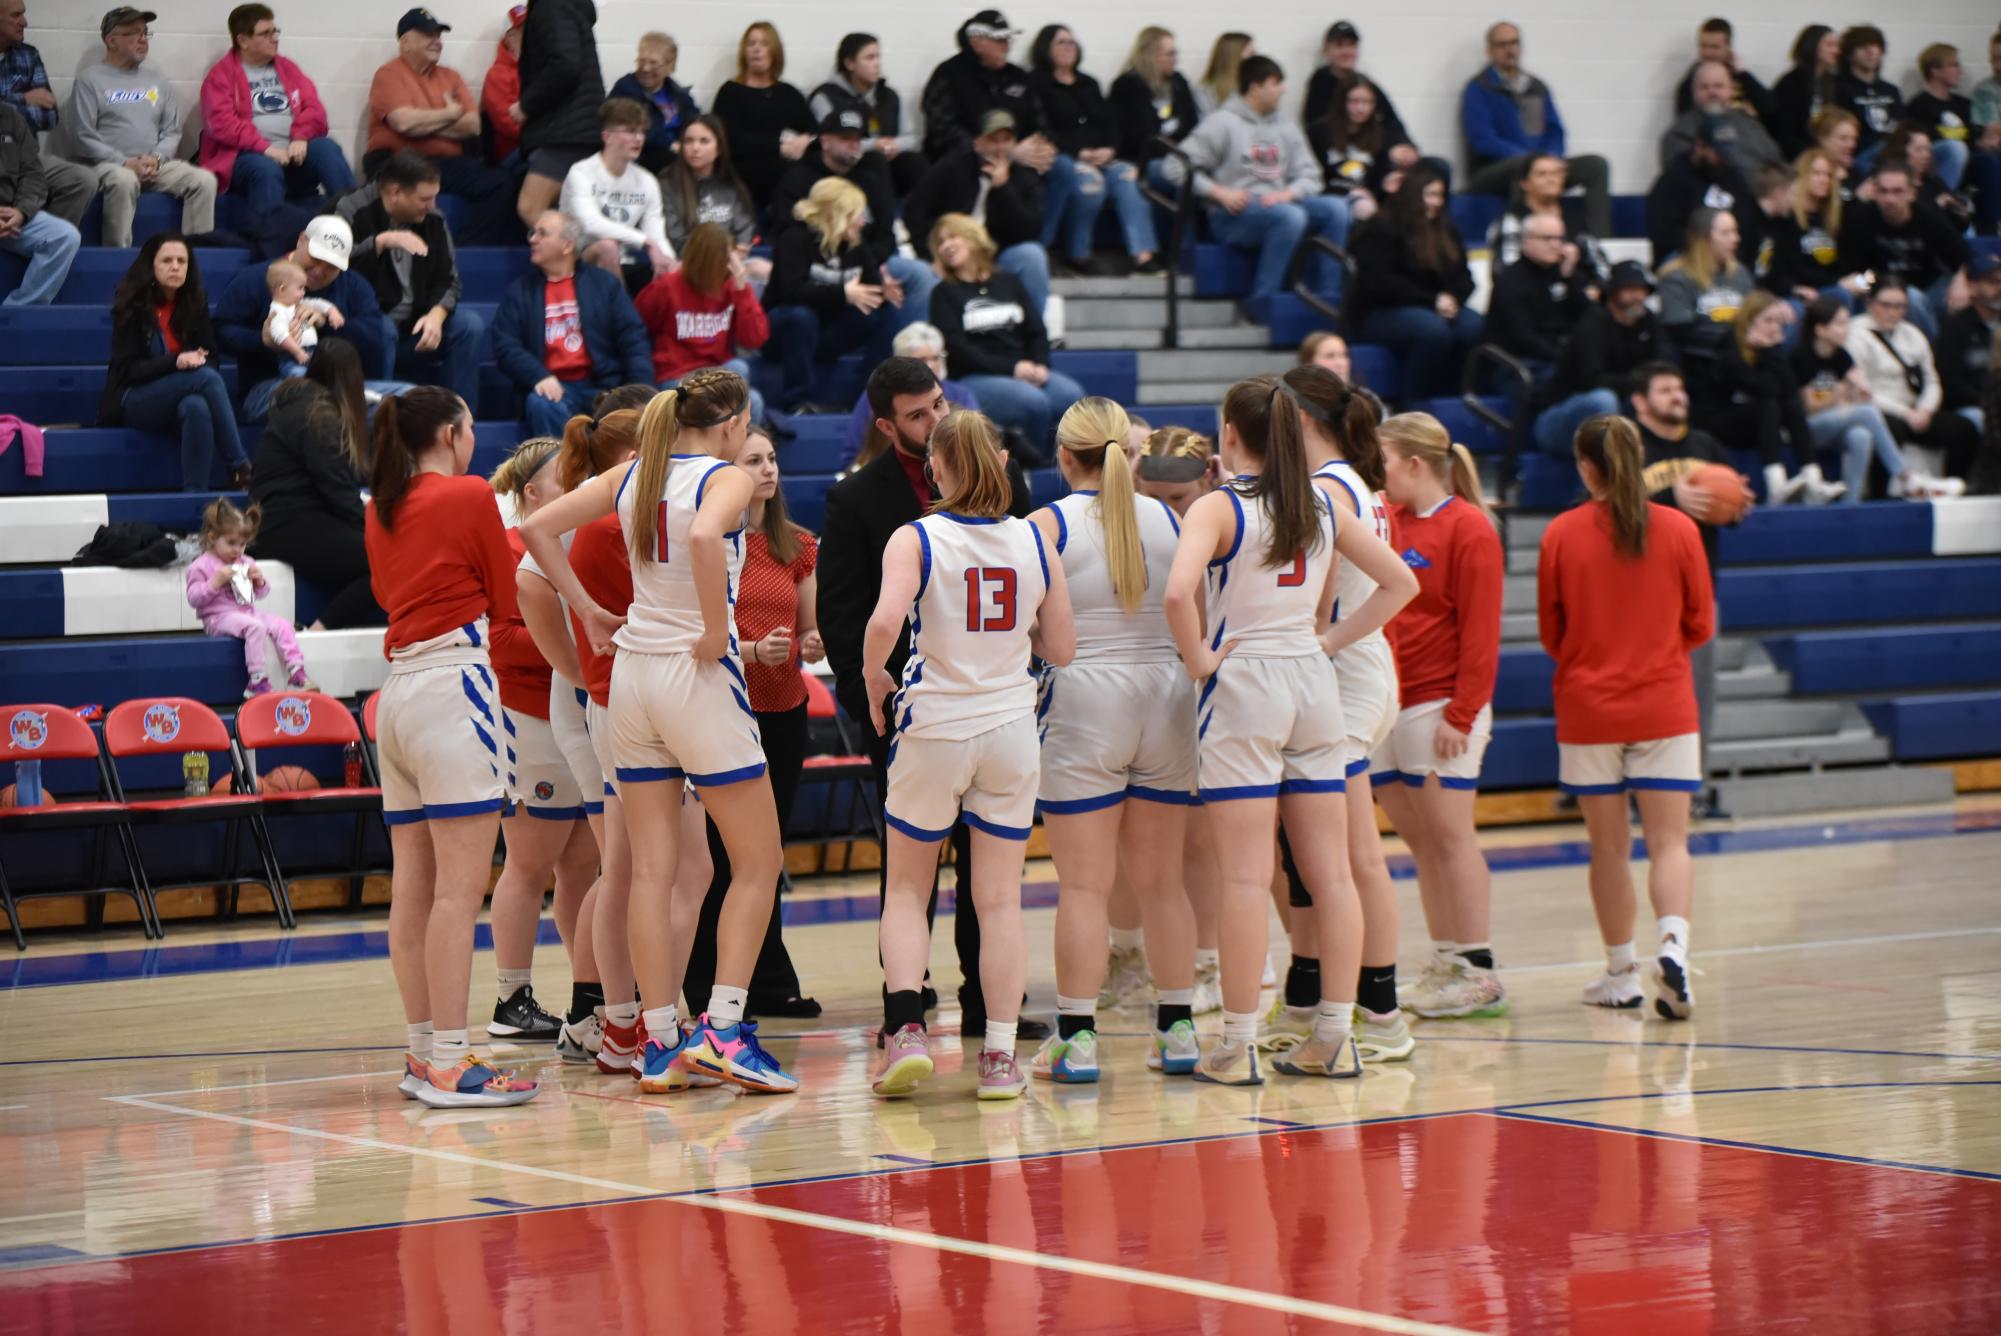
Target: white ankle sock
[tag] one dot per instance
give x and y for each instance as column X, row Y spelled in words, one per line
column 1000, row 1036
column 1674, row 935
column 448, row 1047
column 1202, row 957
column 1175, row 997
column 1127, row 939
column 1076, row 1006
column 1445, row 953
column 726, row 1005
column 624, row 1015
column 1239, row 1028
column 511, row 982
column 663, row 1023
column 420, row 1040
column 1333, row 1020
column 1619, row 959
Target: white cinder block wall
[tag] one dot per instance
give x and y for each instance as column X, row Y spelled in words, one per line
column 1612, row 63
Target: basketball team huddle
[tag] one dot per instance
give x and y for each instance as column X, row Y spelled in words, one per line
column 1182, row 666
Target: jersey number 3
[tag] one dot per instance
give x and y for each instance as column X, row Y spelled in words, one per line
column 995, row 584
column 1294, row 575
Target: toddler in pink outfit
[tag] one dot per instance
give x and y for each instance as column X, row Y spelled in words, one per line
column 223, row 588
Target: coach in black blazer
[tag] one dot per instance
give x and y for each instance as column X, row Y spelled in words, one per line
column 863, row 510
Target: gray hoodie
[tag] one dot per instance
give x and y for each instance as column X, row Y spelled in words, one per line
column 118, row 114
column 1236, row 148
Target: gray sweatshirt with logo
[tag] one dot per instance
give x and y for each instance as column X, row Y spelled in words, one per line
column 118, row 114
column 1236, row 148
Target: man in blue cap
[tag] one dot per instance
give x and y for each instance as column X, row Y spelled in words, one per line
column 416, row 103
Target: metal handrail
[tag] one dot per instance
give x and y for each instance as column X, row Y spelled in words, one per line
column 1296, row 277
column 1181, row 205
column 1512, row 427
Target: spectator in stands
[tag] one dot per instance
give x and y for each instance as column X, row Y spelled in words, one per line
column 1218, row 83
column 701, row 186
column 770, row 125
column 994, row 335
column 1738, row 134
column 1539, row 300
column 1700, row 179
column 125, row 127
column 843, row 151
column 416, row 103
column 826, row 297
column 981, row 79
column 1910, row 145
column 1896, row 361
column 1840, row 414
column 264, row 129
column 670, row 108
column 1805, row 261
column 1836, row 133
column 1540, row 194
column 700, row 314
column 566, row 331
column 1412, row 283
column 1341, row 55
column 986, row 180
column 159, row 377
column 1262, row 185
column 404, row 248
column 1704, row 286
column 1966, row 338
column 323, row 250
column 1806, row 89
column 858, row 86
column 1328, row 350
column 1506, row 113
column 921, row 342
column 1080, row 123
column 1894, row 232
column 1714, row 41
column 1152, row 100
column 1746, row 394
column 307, row 475
column 562, row 88
column 500, row 90
column 28, row 227
column 1985, row 166
column 616, row 203
column 1861, row 89
column 1943, row 112
column 24, row 85
column 1613, row 340
column 1356, row 148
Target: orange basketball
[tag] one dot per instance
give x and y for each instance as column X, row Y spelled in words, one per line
column 1728, row 490
column 7, row 797
column 225, row 784
column 289, row 779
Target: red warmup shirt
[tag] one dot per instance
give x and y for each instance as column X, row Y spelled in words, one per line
column 1620, row 629
column 445, row 565
column 164, row 315
column 691, row 330
column 524, row 687
column 1448, row 638
column 563, row 350
column 600, row 558
column 767, row 598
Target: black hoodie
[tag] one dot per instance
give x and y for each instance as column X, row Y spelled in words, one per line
column 961, row 90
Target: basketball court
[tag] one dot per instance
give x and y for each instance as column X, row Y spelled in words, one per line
column 207, row 1136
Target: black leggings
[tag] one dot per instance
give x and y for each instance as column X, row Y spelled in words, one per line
column 329, row 552
column 1948, row 432
column 1765, row 426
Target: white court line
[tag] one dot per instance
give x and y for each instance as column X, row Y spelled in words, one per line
column 5, row 1107
column 263, row 1085
column 1196, row 1289
column 1886, row 939
column 45, row 1215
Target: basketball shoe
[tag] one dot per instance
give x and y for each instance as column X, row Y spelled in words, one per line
column 1674, row 994
column 415, row 1073
column 1125, row 975
column 732, row 1053
column 1468, row 991
column 1175, row 1050
column 521, row 1017
column 1621, row 991
column 1072, row 1061
column 1315, row 1056
column 1230, row 1065
column 473, row 1083
column 1284, row 1027
column 659, row 1066
column 579, row 1043
column 1382, row 1038
column 1208, row 987
column 1000, row 1075
column 619, row 1049
column 906, row 1060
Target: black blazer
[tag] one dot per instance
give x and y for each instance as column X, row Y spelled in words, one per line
column 139, row 356
column 863, row 510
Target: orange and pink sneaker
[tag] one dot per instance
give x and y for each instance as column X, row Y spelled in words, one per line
column 416, row 1074
column 473, row 1083
column 732, row 1053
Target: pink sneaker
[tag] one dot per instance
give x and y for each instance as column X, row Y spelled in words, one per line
column 906, row 1060
column 1000, row 1075
column 473, row 1083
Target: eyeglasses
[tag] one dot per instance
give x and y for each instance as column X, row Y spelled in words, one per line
column 265, row 32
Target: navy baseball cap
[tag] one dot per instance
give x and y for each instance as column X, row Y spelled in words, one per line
column 423, row 21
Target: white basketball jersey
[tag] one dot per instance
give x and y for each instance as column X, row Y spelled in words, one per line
column 1106, row 632
column 983, row 581
column 1351, row 586
column 666, row 615
column 1271, row 611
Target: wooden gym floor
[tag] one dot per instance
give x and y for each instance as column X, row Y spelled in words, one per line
column 206, row 1136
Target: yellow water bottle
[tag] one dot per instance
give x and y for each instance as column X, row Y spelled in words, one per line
column 194, row 774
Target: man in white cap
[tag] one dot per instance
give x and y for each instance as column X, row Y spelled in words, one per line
column 323, row 251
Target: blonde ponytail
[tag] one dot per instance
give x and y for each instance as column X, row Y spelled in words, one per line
column 516, row 471
column 658, row 432
column 1422, row 436
column 1095, row 430
column 1465, row 480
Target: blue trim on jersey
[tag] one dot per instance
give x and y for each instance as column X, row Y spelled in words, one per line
column 507, row 721
column 1666, row 785
column 594, row 808
column 1203, row 731
column 744, row 704
column 1592, row 790
column 554, row 813
column 583, row 702
column 1353, row 495
column 915, row 832
column 1092, row 492
column 1208, row 689
column 724, row 777
column 1237, row 542
column 995, row 828
column 1042, row 554
column 1286, row 786
column 703, row 486
column 446, row 811
column 1072, row 806
column 1172, row 518
column 486, row 739
column 1171, row 797
column 1239, row 791
column 1360, row 767
column 1062, row 528
column 1446, row 782
column 967, row 519
column 646, row 774
column 484, row 675
column 1381, row 777
column 625, row 482
column 472, row 633
column 478, row 701
column 410, row 817
column 924, row 567
column 729, row 666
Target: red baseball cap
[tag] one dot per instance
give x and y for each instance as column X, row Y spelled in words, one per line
column 517, row 16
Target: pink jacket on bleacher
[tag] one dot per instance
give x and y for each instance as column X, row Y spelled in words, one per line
column 227, row 126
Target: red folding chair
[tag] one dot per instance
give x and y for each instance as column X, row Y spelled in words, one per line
column 278, row 720
column 172, row 725
column 853, row 768
column 54, row 733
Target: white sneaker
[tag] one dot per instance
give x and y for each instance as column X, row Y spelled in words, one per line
column 1780, row 489
column 1382, row 1038
column 1471, row 991
column 1285, row 1027
column 1208, row 988
column 1126, row 976
column 1674, row 993
column 1621, row 990
column 1819, row 491
column 1922, row 486
column 1438, row 971
column 1270, row 977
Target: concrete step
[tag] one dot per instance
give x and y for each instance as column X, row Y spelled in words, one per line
column 1231, row 336
column 1210, row 367
column 1519, row 628
column 1153, row 286
column 1523, row 532
column 1518, row 594
column 1742, row 721
column 1826, row 790
column 1521, row 560
column 1183, row 391
column 1735, row 651
column 1797, row 752
column 1752, row 682
column 1148, row 313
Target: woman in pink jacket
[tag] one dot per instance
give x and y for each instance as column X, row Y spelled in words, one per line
column 264, row 128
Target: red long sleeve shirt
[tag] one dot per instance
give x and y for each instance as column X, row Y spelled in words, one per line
column 1620, row 628
column 524, row 687
column 445, row 565
column 599, row 556
column 691, row 330
column 1448, row 639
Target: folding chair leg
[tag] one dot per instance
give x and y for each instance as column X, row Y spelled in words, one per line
column 12, row 909
column 357, row 856
column 142, row 885
column 281, row 894
column 229, row 890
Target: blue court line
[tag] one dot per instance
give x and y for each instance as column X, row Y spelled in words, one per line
column 1694, row 1044
column 504, row 1203
column 906, row 1159
column 1277, row 1122
column 332, row 948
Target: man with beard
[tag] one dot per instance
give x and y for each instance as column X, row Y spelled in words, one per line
column 863, row 510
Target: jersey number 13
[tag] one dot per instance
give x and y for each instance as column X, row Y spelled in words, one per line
column 990, row 585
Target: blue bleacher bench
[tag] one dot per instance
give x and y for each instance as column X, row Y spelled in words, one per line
column 1880, row 660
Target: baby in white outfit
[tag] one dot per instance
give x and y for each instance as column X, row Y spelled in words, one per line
column 287, row 282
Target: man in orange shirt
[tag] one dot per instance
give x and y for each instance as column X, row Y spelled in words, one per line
column 416, row 103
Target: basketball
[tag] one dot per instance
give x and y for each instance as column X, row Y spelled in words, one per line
column 224, row 784
column 289, row 779
column 1728, row 491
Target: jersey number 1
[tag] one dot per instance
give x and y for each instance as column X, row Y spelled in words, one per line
column 1290, row 578
column 996, row 582
column 661, row 528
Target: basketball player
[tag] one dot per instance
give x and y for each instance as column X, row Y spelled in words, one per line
column 1271, row 739
column 979, row 590
column 440, row 567
column 1448, row 645
column 1118, row 747
column 1622, row 594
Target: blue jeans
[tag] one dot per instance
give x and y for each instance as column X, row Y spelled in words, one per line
column 1432, row 347
column 266, row 185
column 742, row 368
column 1072, row 198
column 547, row 419
column 456, row 357
column 48, row 244
column 1984, row 171
column 1949, row 158
column 1927, row 305
column 1027, row 261
column 197, row 404
column 801, row 336
column 1555, row 429
column 918, row 279
column 1858, row 430
column 1032, row 410
column 1274, row 231
column 1074, row 221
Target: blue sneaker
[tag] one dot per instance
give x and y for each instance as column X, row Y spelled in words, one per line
column 1072, row 1061
column 732, row 1053
column 659, row 1065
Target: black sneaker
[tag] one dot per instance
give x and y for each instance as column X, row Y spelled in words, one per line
column 521, row 1017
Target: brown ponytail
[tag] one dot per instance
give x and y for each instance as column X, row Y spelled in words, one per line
column 1266, row 417
column 969, row 445
column 592, row 445
column 1095, row 430
column 406, row 425
column 1611, row 445
column 1345, row 415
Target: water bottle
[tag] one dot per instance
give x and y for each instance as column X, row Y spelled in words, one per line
column 194, row 774
column 351, row 768
column 27, row 783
